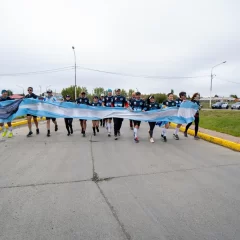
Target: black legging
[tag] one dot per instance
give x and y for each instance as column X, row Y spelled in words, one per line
column 68, row 123
column 196, row 121
column 152, row 126
column 117, row 125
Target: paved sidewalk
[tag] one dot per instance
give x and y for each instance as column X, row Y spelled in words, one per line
column 218, row 134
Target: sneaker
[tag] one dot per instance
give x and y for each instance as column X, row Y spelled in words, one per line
column 48, row 134
column 118, row 133
column 97, row 129
column 196, row 137
column 4, row 134
column 10, row 135
column 151, row 140
column 37, row 131
column 176, row 136
column 136, row 140
column 84, row 134
column 56, row 128
column 164, row 138
column 185, row 134
column 109, row 134
column 30, row 133
column 68, row 134
column 115, row 137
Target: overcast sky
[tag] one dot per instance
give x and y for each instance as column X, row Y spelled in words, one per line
column 142, row 37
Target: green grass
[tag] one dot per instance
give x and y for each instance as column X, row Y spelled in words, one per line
column 225, row 121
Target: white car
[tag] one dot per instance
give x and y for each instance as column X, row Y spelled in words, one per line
column 236, row 106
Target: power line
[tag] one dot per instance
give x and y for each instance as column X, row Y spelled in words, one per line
column 228, row 81
column 138, row 76
column 37, row 72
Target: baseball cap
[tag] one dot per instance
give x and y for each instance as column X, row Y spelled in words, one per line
column 3, row 91
column 49, row 91
column 109, row 90
column 67, row 96
column 117, row 89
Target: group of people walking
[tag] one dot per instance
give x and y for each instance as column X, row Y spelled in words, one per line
column 135, row 103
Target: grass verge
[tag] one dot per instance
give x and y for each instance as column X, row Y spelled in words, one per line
column 225, row 121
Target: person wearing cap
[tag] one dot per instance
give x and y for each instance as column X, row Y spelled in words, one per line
column 137, row 105
column 167, row 103
column 83, row 100
column 29, row 116
column 107, row 102
column 151, row 104
column 68, row 121
column 102, row 121
column 95, row 123
column 50, row 98
column 5, row 97
column 131, row 99
column 182, row 98
column 118, row 101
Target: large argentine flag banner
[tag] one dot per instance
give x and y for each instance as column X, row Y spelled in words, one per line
column 184, row 114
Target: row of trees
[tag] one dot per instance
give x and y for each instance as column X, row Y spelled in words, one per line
column 160, row 97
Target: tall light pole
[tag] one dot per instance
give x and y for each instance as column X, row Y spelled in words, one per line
column 75, row 72
column 210, row 102
column 40, row 89
column 21, row 87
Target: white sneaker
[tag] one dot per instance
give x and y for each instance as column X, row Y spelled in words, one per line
column 151, row 140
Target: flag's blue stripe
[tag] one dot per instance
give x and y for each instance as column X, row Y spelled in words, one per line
column 64, row 110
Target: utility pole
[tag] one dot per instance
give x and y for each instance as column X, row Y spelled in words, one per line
column 210, row 102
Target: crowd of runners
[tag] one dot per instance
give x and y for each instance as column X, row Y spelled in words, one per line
column 135, row 103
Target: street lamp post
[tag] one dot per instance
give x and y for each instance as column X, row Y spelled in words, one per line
column 210, row 102
column 22, row 88
column 75, row 72
column 40, row 89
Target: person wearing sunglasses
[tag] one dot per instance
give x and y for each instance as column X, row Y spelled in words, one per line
column 167, row 103
column 182, row 98
column 29, row 116
column 151, row 105
column 137, row 105
column 50, row 98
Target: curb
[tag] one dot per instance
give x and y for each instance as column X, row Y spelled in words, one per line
column 212, row 139
column 23, row 122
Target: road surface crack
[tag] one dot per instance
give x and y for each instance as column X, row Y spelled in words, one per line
column 96, row 179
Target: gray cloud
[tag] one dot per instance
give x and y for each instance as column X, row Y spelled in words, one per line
column 163, row 38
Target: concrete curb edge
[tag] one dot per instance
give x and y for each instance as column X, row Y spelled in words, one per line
column 212, row 139
column 23, row 122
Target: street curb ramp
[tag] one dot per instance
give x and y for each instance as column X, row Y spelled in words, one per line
column 212, row 139
column 23, row 122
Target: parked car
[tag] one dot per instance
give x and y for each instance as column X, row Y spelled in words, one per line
column 220, row 105
column 236, row 106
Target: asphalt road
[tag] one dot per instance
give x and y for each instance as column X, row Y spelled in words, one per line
column 64, row 188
